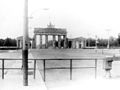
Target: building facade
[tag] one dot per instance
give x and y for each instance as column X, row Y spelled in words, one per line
column 77, row 43
column 20, row 42
column 50, row 31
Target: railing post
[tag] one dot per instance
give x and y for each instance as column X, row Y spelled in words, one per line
column 70, row 69
column 2, row 68
column 95, row 68
column 44, row 69
column 34, row 68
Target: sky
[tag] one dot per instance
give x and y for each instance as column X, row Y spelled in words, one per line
column 81, row 18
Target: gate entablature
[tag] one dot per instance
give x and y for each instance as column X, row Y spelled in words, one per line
column 50, row 31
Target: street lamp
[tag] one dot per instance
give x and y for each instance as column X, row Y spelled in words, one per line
column 25, row 45
column 108, row 45
column 96, row 41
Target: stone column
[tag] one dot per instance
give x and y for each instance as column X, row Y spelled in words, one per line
column 34, row 41
column 17, row 41
column 40, row 41
column 82, row 44
column 54, row 39
column 65, row 41
column 77, row 44
column 59, row 41
column 85, row 44
column 74, row 44
column 31, row 44
column 20, row 44
column 46, row 41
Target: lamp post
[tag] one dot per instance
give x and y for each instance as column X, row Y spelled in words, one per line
column 25, row 45
column 96, row 41
column 108, row 45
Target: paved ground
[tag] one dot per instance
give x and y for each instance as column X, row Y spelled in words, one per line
column 60, row 79
column 13, row 79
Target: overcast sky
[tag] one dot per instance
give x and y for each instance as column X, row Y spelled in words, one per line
column 85, row 18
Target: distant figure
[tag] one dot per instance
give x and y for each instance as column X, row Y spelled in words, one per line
column 108, row 66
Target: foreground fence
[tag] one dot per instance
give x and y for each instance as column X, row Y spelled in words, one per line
column 3, row 68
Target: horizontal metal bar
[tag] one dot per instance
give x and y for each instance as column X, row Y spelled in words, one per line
column 54, row 68
column 17, row 68
column 50, row 58
column 58, row 68
column 72, row 59
column 69, row 68
column 81, row 67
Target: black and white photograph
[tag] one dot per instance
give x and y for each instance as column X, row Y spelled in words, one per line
column 59, row 44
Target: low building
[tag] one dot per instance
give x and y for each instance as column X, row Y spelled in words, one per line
column 78, row 42
column 20, row 42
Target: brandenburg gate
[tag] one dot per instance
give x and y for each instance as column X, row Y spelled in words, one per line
column 52, row 31
column 59, row 39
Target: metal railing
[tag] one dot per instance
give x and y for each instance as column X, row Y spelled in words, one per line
column 71, row 66
column 44, row 65
column 3, row 68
